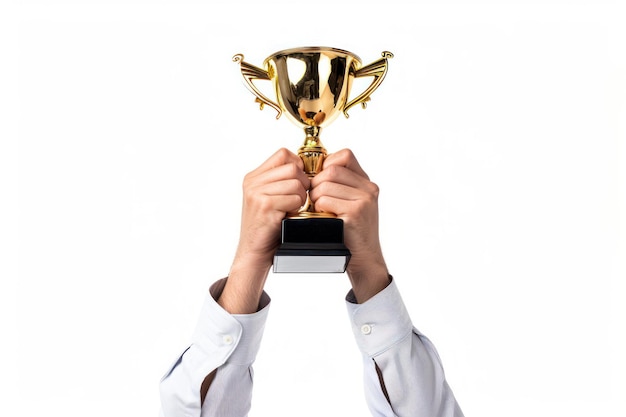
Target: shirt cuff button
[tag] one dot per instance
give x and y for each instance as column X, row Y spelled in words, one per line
column 228, row 339
column 366, row 329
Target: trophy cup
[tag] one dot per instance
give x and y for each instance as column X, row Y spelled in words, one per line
column 312, row 86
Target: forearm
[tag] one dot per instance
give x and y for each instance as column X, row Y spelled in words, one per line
column 403, row 373
column 411, row 378
column 368, row 276
column 223, row 346
column 244, row 287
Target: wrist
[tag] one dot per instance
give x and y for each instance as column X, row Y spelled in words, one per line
column 368, row 277
column 250, row 263
column 244, row 286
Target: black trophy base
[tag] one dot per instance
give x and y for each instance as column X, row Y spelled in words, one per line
column 312, row 245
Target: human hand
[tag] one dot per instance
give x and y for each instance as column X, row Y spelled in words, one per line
column 343, row 188
column 276, row 187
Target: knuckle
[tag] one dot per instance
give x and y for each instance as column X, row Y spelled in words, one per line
column 281, row 156
column 283, row 153
column 374, row 189
column 264, row 205
column 321, row 188
column 320, row 202
column 294, row 185
column 332, row 171
column 345, row 154
column 249, row 196
column 294, row 170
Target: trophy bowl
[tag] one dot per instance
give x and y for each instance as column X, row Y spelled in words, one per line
column 312, row 84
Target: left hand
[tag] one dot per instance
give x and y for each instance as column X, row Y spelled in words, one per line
column 343, row 188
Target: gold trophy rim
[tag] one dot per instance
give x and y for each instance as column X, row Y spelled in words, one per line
column 305, row 49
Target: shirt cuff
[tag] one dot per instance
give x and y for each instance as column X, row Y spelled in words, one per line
column 381, row 322
column 237, row 336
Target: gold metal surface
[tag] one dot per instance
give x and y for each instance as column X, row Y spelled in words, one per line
column 312, row 86
column 250, row 72
column 378, row 70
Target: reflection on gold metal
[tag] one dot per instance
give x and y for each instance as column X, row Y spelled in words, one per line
column 312, row 86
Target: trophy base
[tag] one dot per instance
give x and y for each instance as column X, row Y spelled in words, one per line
column 312, row 245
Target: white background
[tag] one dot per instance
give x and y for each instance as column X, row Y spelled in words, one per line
column 497, row 140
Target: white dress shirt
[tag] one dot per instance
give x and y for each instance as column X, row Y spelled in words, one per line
column 403, row 375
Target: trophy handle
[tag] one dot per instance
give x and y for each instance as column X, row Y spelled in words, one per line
column 249, row 73
column 378, row 70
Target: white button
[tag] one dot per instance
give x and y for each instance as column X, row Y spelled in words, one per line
column 228, row 339
column 366, row 329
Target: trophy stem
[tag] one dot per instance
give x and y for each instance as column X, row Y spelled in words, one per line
column 312, row 153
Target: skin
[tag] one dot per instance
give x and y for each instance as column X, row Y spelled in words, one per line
column 279, row 186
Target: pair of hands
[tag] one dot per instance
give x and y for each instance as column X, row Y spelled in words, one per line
column 279, row 186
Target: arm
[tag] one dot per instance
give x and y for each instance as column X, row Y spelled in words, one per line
column 213, row 377
column 223, row 348
column 278, row 186
column 403, row 374
column 402, row 371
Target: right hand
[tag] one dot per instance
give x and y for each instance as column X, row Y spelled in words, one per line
column 276, row 187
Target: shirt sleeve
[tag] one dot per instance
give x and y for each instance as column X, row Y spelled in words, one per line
column 403, row 375
column 222, row 342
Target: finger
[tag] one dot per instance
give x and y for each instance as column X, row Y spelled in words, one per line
column 339, row 192
column 340, row 206
column 280, row 157
column 341, row 175
column 344, row 158
column 285, row 203
column 279, row 173
column 282, row 188
column 260, row 206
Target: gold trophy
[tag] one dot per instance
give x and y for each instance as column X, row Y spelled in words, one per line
column 312, row 86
